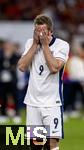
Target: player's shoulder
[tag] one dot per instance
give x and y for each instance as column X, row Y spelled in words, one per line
column 28, row 44
column 29, row 41
column 61, row 42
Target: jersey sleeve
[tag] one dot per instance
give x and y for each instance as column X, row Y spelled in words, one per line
column 63, row 52
column 27, row 46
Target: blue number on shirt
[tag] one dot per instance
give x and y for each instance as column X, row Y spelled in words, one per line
column 41, row 68
column 56, row 122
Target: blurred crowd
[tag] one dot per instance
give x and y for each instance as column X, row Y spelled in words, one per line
column 67, row 15
column 68, row 18
column 73, row 81
column 12, row 82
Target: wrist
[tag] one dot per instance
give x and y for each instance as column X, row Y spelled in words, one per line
column 45, row 46
column 34, row 46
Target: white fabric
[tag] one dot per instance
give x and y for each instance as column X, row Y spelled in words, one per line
column 43, row 89
column 51, row 116
column 27, row 46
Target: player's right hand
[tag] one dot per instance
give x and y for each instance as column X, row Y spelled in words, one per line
column 36, row 36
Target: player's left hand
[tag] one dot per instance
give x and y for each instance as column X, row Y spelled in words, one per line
column 44, row 38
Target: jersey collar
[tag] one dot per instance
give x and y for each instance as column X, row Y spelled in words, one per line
column 52, row 41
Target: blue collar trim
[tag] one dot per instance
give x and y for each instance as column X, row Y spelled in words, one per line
column 52, row 41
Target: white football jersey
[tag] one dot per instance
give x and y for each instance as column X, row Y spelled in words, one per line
column 44, row 89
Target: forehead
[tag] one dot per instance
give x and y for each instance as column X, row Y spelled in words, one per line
column 41, row 26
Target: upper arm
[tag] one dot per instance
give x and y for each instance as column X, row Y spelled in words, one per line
column 58, row 64
column 61, row 56
column 22, row 60
column 63, row 53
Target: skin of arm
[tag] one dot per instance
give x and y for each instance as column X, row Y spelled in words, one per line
column 54, row 64
column 26, row 60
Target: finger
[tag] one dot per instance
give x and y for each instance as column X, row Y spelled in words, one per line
column 35, row 32
column 37, row 29
column 44, row 35
column 44, row 32
column 41, row 36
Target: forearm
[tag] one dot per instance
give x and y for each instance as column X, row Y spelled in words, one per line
column 26, row 60
column 53, row 64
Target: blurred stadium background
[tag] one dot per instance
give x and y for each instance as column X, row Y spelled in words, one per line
column 16, row 26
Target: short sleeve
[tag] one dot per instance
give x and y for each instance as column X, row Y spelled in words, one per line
column 63, row 52
column 27, row 46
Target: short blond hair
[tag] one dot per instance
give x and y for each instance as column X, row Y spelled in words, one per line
column 43, row 19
